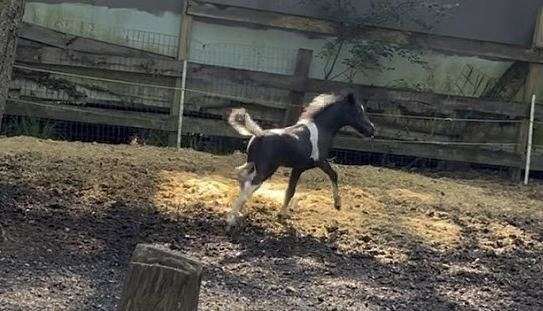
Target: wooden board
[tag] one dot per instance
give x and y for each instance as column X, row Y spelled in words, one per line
column 204, row 9
column 88, row 115
column 83, row 90
column 296, row 97
column 57, row 56
column 183, row 48
column 62, row 40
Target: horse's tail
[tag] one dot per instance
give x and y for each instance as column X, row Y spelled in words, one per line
column 241, row 121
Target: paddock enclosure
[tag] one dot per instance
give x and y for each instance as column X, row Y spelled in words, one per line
column 433, row 219
column 72, row 213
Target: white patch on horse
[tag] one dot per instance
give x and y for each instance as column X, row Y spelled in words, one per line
column 313, row 137
column 277, row 131
column 250, row 142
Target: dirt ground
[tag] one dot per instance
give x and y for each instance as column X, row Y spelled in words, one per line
column 72, row 213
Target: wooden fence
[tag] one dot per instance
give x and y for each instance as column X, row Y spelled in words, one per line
column 53, row 66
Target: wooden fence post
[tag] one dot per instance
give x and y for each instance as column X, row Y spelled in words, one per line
column 296, row 96
column 535, row 73
column 160, row 279
column 182, row 54
column 11, row 13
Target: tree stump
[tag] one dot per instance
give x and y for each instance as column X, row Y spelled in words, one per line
column 161, row 279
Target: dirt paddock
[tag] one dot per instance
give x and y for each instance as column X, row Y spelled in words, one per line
column 71, row 214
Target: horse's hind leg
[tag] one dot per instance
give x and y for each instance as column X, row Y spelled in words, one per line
column 292, row 183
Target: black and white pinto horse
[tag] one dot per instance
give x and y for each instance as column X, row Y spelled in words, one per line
column 303, row 146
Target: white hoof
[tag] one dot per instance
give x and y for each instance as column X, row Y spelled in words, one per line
column 232, row 218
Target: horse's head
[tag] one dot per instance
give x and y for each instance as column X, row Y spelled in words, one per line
column 357, row 117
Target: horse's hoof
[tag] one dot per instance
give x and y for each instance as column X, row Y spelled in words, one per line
column 231, row 228
column 283, row 216
column 232, row 219
column 337, row 204
column 234, row 222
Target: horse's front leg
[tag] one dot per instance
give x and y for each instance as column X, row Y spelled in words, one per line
column 292, row 183
column 327, row 168
column 246, row 175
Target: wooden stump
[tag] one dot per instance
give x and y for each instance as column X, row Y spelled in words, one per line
column 162, row 280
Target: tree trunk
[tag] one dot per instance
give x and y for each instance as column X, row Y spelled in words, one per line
column 11, row 13
column 162, row 280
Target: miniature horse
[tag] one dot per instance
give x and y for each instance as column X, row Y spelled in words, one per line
column 303, row 146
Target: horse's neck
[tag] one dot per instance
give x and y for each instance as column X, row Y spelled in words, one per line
column 329, row 122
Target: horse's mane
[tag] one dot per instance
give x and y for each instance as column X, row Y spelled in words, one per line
column 319, row 104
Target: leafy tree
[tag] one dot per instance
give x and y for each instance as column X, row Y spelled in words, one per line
column 357, row 54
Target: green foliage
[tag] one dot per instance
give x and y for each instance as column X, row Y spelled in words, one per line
column 352, row 49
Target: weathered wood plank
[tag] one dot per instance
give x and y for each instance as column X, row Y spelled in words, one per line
column 58, row 56
column 537, row 41
column 457, row 46
column 256, row 78
column 157, row 67
column 533, row 79
column 11, row 13
column 62, row 40
column 89, row 115
column 470, row 154
column 262, row 18
column 82, row 90
column 301, row 74
column 183, row 48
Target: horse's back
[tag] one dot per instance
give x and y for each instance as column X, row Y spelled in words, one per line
column 283, row 147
